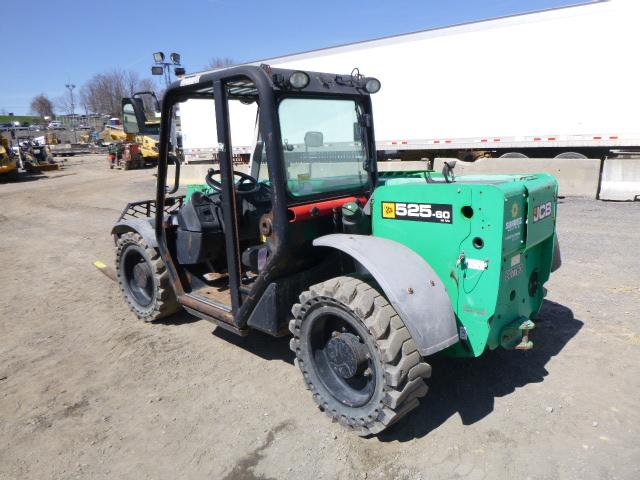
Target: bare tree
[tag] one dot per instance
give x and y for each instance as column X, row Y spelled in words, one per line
column 63, row 103
column 219, row 62
column 131, row 81
column 103, row 92
column 42, row 106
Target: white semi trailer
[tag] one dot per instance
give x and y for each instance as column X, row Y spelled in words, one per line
column 561, row 82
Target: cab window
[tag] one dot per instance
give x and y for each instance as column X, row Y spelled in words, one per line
column 322, row 145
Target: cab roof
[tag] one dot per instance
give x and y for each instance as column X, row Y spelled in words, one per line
column 242, row 82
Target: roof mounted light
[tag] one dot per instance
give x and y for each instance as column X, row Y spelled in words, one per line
column 372, row 85
column 299, row 79
column 158, row 57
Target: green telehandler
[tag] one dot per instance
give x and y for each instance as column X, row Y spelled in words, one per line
column 370, row 273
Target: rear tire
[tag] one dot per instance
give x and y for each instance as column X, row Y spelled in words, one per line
column 377, row 376
column 143, row 279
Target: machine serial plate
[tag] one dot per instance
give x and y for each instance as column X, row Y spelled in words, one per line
column 421, row 212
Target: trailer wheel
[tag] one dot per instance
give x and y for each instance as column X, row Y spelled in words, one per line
column 143, row 278
column 574, row 155
column 513, row 155
column 356, row 356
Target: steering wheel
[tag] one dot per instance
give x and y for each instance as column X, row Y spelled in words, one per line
column 244, row 177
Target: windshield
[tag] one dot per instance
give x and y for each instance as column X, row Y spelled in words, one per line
column 152, row 128
column 322, row 144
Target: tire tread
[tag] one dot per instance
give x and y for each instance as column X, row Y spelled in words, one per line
column 404, row 370
column 165, row 302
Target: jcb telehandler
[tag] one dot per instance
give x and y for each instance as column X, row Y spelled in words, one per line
column 8, row 161
column 371, row 273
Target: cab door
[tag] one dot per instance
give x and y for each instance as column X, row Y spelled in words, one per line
column 133, row 116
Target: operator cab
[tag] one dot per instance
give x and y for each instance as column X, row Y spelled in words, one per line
column 239, row 246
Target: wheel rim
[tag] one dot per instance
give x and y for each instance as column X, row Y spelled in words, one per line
column 138, row 278
column 341, row 357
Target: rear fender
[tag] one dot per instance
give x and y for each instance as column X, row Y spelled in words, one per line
column 410, row 284
column 142, row 226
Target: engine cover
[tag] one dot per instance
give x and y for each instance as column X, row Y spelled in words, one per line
column 489, row 238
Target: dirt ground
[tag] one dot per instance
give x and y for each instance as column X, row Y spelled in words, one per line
column 86, row 391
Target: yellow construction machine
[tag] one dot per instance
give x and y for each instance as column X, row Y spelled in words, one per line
column 8, row 162
column 136, row 129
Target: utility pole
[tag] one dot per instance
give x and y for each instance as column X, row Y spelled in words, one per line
column 70, row 87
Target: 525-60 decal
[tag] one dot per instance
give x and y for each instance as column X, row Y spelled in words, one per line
column 421, row 212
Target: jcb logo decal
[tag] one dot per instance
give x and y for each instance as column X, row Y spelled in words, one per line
column 515, row 210
column 388, row 210
column 540, row 212
column 421, row 212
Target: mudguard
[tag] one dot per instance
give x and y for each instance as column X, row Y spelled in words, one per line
column 143, row 226
column 410, row 284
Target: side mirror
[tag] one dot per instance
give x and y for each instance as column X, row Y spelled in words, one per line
column 129, row 120
column 313, row 139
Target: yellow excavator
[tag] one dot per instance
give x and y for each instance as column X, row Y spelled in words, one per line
column 8, row 162
column 137, row 131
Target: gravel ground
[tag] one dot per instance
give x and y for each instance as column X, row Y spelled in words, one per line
column 86, row 391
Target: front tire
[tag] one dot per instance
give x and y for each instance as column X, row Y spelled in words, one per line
column 356, row 355
column 143, row 279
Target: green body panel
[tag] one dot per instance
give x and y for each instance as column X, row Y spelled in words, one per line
column 493, row 253
column 201, row 187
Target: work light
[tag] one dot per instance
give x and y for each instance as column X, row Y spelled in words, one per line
column 299, row 79
column 158, row 57
column 372, row 85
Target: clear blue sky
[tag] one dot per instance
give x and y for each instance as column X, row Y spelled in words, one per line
column 48, row 43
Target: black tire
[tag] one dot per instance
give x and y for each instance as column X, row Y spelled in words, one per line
column 143, row 279
column 396, row 369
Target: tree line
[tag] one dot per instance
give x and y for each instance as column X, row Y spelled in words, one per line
column 103, row 93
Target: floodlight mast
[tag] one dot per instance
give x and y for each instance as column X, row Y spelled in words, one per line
column 70, row 87
column 163, row 67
